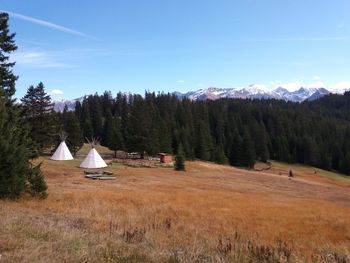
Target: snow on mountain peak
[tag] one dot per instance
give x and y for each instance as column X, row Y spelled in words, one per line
column 256, row 91
column 288, row 92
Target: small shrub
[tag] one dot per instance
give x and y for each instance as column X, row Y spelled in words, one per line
column 36, row 183
column 180, row 159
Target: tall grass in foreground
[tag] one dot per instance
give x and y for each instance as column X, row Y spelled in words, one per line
column 48, row 237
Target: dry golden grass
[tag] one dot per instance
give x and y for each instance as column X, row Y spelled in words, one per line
column 210, row 213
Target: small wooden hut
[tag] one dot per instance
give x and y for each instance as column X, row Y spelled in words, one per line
column 165, row 157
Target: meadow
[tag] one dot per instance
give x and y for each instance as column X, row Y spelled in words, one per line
column 209, row 213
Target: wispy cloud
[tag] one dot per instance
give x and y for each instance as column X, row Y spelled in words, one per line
column 59, row 58
column 56, row 92
column 292, row 39
column 49, row 25
column 180, row 81
column 39, row 59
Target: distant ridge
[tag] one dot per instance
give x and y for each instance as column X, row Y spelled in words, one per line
column 249, row 92
column 256, row 92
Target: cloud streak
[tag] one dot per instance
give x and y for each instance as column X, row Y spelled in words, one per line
column 48, row 25
column 39, row 59
column 292, row 39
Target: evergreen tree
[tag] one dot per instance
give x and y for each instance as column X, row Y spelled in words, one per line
column 37, row 111
column 75, row 138
column 139, row 124
column 96, row 115
column 235, row 150
column 15, row 146
column 36, row 183
column 204, row 142
column 78, row 109
column 85, row 120
column 7, row 46
column 311, row 154
column 261, row 143
column 345, row 164
column 164, row 138
column 112, row 136
column 247, row 159
column 87, row 129
column 219, row 155
column 180, row 159
column 14, row 143
column 14, row 165
column 64, row 117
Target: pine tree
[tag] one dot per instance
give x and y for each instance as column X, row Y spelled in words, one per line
column 112, row 136
column 139, row 124
column 311, row 154
column 87, row 129
column 96, row 115
column 204, row 142
column 345, row 164
column 78, row 109
column 36, row 183
column 180, row 159
column 262, row 152
column 75, row 138
column 14, row 142
column 85, row 120
column 247, row 159
column 164, row 138
column 219, row 155
column 235, row 150
column 37, row 112
column 7, row 46
column 64, row 116
column 14, row 156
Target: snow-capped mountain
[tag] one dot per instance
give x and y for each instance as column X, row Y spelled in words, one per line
column 59, row 105
column 256, row 92
column 249, row 92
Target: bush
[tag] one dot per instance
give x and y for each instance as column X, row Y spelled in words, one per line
column 36, row 183
column 180, row 159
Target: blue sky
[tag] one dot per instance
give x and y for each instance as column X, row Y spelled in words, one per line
column 181, row 45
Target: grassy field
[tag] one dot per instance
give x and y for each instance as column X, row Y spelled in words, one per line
column 210, row 213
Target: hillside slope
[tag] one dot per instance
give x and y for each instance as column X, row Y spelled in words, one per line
column 210, row 212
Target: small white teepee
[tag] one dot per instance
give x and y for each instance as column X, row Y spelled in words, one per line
column 62, row 152
column 93, row 159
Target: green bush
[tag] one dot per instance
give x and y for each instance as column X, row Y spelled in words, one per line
column 180, row 159
column 36, row 183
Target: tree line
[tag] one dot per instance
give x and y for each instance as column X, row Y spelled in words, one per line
column 227, row 131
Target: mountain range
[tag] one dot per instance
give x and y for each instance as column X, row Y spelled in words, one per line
column 256, row 92
column 249, row 92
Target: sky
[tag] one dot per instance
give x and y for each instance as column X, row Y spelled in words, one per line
column 81, row 47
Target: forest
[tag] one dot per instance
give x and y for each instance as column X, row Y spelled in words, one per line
column 227, row 131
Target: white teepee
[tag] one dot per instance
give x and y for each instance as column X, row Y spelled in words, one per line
column 62, row 152
column 93, row 159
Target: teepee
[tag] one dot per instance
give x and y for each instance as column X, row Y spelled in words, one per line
column 62, row 152
column 93, row 159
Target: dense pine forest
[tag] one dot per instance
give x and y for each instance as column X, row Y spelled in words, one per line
column 228, row 131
